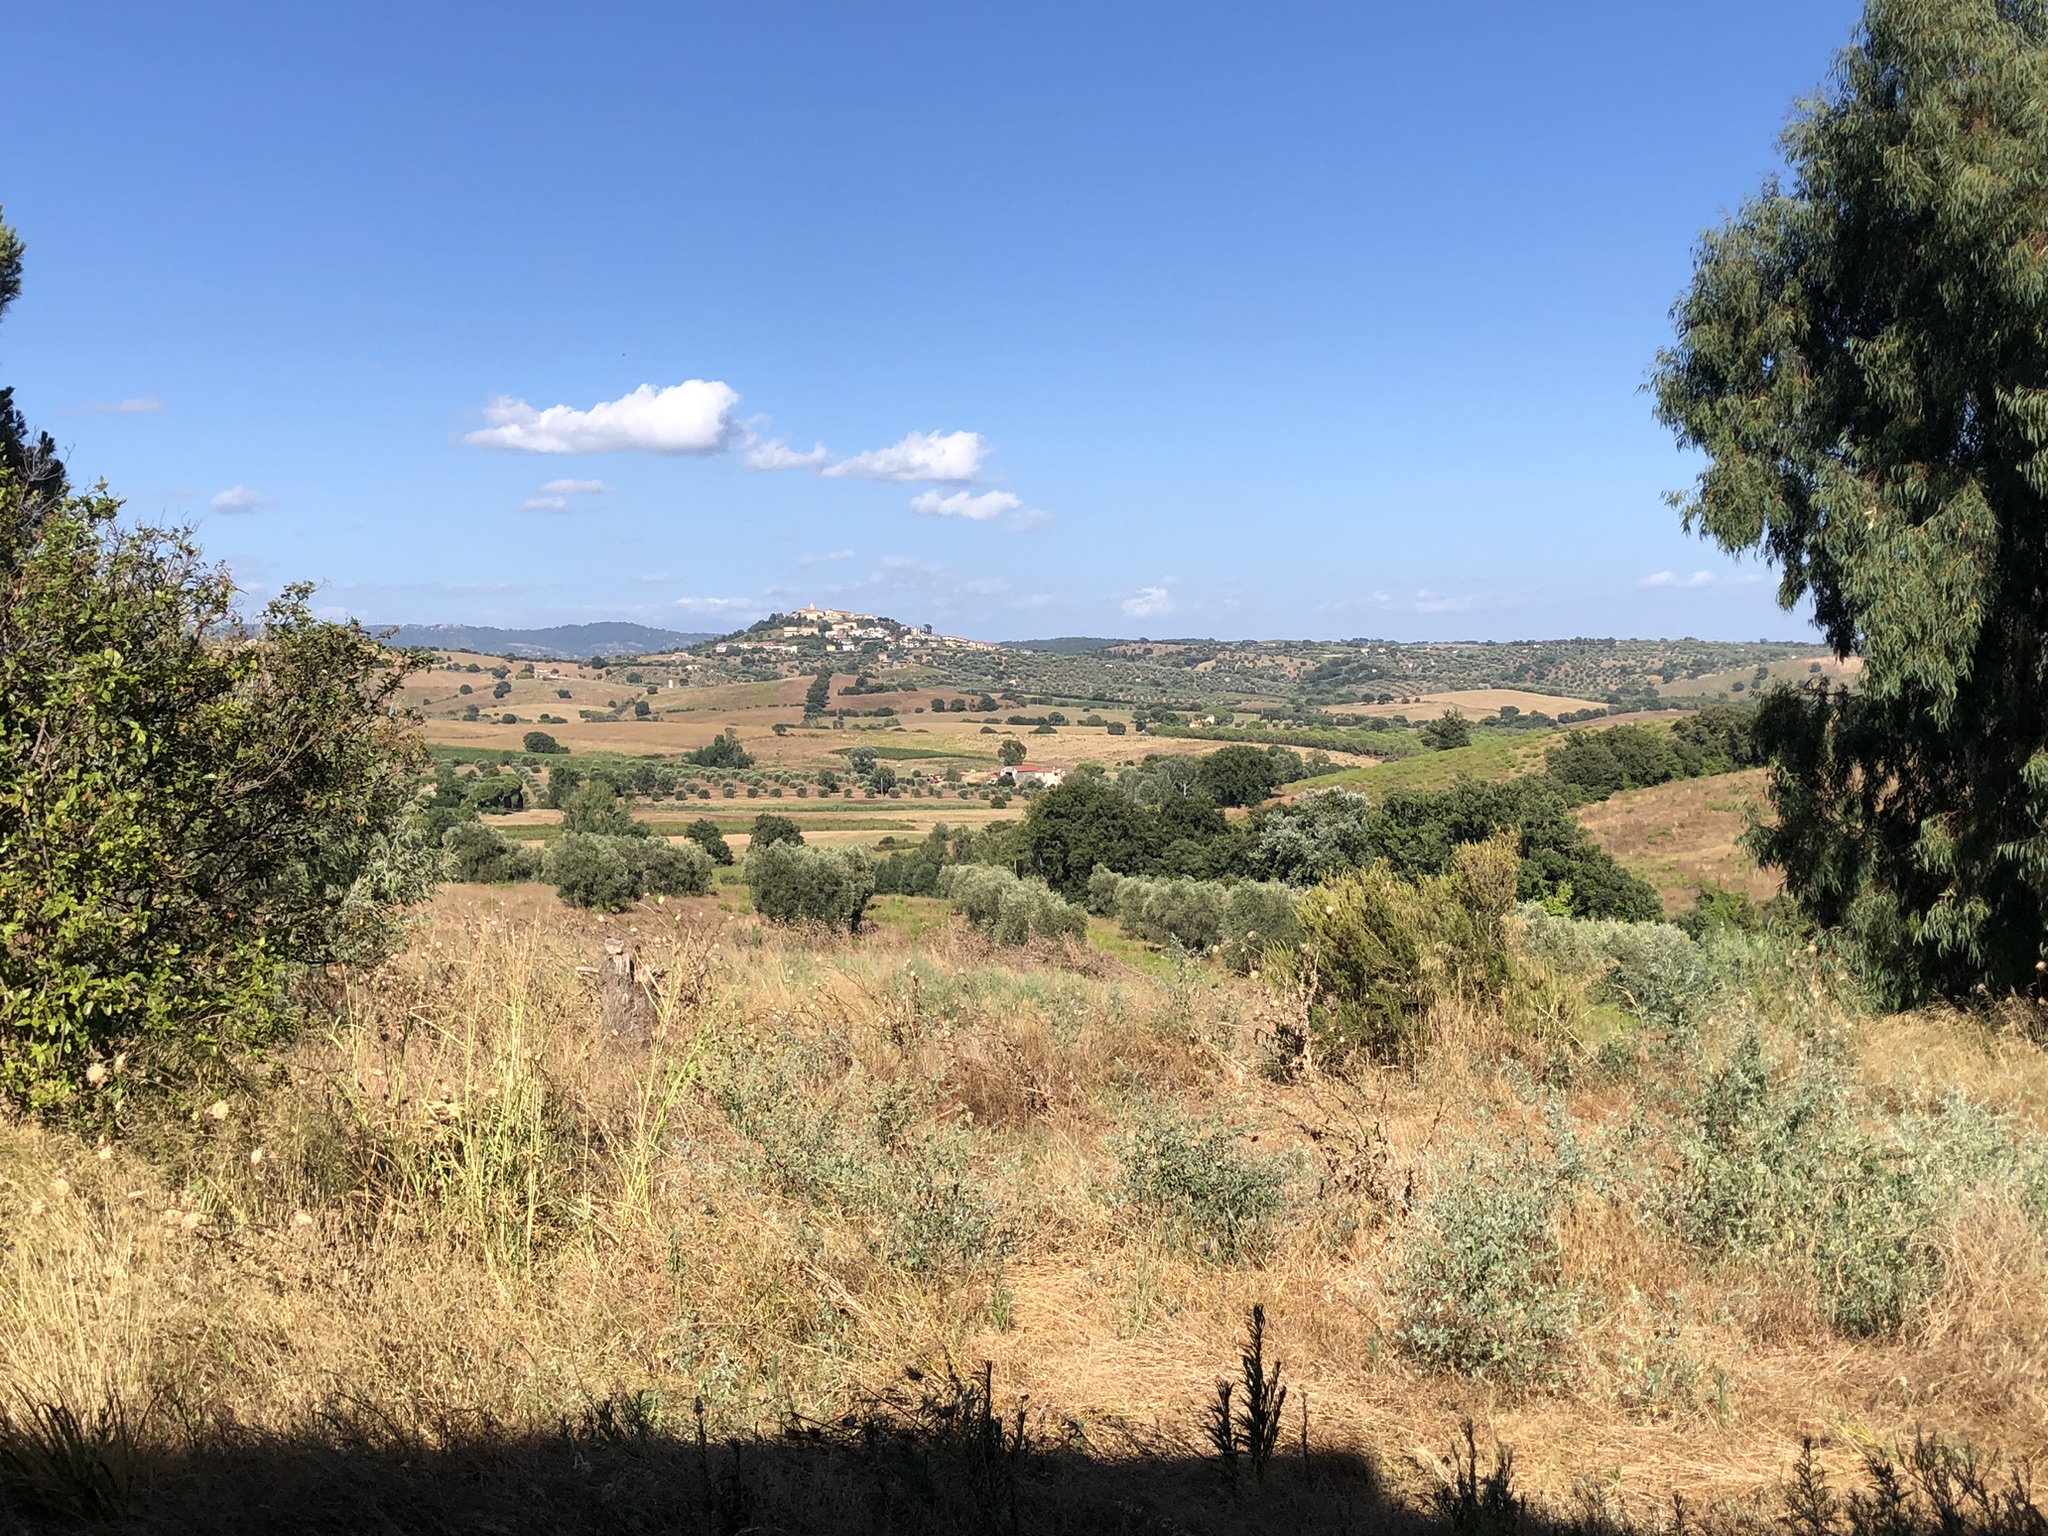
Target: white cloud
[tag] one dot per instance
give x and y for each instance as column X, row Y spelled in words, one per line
column 135, row 405
column 953, row 457
column 237, row 498
column 1148, row 603
column 837, row 554
column 555, row 495
column 776, row 454
column 694, row 417
column 965, row 504
column 1701, row 579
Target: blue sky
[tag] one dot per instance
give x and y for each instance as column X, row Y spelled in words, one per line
column 1301, row 320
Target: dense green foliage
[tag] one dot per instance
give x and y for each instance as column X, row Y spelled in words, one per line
column 472, row 851
column 610, row 873
column 721, row 752
column 705, row 834
column 1591, row 765
column 1863, row 357
column 1239, row 775
column 190, row 804
column 1379, row 952
column 1417, row 833
column 791, row 883
column 770, row 828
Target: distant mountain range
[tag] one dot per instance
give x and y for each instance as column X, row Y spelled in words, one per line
column 563, row 641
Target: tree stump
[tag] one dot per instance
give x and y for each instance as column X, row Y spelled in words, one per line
column 628, row 1012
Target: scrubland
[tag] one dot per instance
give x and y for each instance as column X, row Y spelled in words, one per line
column 499, row 1244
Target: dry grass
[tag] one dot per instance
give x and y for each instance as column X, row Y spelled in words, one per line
column 461, row 1204
column 1682, row 835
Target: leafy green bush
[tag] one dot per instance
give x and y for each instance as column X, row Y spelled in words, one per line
column 541, row 743
column 1381, row 951
column 596, row 808
column 1010, row 910
column 770, row 828
column 1417, row 833
column 1481, row 1286
column 671, row 869
column 721, row 752
column 498, row 794
column 705, row 834
column 587, row 870
column 191, row 804
column 472, row 851
column 791, row 883
column 1198, row 1185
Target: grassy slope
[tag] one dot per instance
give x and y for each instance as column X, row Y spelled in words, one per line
column 1682, row 835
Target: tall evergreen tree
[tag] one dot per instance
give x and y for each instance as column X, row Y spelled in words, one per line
column 29, row 457
column 1863, row 357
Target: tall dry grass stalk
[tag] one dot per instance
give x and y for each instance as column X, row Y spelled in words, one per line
column 461, row 1202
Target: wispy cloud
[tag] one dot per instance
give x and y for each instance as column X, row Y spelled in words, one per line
column 1148, row 603
column 776, row 454
column 979, row 509
column 556, row 495
column 691, row 418
column 134, row 405
column 948, row 457
column 237, row 499
column 837, row 554
column 1672, row 580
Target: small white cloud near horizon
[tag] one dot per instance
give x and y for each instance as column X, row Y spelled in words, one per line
column 948, row 457
column 1699, row 579
column 775, row 454
column 1148, row 603
column 135, row 405
column 837, row 554
column 237, row 499
column 977, row 509
column 691, row 418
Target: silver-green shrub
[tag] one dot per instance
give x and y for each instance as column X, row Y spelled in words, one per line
column 1789, row 1161
column 1653, row 970
column 1010, row 910
column 1482, row 1287
column 1200, row 1187
column 1259, row 917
